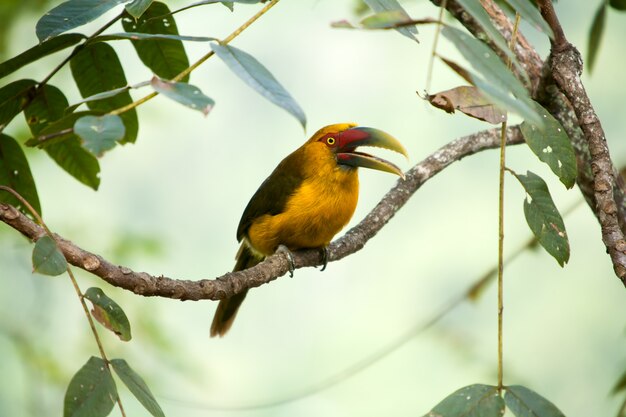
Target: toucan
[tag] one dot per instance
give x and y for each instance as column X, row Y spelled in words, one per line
column 308, row 198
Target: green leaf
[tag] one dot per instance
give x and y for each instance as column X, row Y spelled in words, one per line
column 504, row 100
column 91, row 392
column 47, row 107
column 618, row 4
column 552, row 146
column 185, row 94
column 165, row 57
column 13, row 98
column 472, row 401
column 501, row 82
column 530, row 13
column 524, row 402
column 97, row 69
column 107, row 94
column 15, row 173
column 45, row 116
column 485, row 61
column 138, row 36
column 138, row 7
column 543, row 217
column 71, row 14
column 137, row 386
column 109, row 313
column 76, row 161
column 39, row 51
column 99, row 134
column 387, row 5
column 595, row 36
column 48, row 258
column 477, row 11
column 253, row 73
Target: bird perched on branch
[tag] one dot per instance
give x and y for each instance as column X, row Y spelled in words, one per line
column 310, row 197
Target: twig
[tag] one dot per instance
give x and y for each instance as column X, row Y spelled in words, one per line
column 566, row 65
column 431, row 61
column 94, row 331
column 274, row 266
column 46, row 138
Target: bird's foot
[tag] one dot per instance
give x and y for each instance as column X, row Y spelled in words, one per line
column 325, row 256
column 287, row 252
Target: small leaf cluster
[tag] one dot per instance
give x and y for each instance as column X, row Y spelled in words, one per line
column 76, row 135
column 92, row 390
column 480, row 400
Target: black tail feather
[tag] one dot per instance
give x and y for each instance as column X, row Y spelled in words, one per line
column 228, row 307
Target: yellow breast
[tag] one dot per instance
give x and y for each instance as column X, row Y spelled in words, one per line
column 321, row 206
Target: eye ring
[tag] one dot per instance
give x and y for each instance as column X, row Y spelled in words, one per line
column 330, row 141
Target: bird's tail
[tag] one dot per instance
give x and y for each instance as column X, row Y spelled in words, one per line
column 228, row 307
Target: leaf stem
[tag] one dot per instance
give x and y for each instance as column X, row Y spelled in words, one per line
column 92, row 325
column 501, row 251
column 501, row 228
column 431, row 62
column 199, row 62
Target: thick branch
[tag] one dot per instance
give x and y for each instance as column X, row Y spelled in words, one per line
column 547, row 90
column 275, row 266
column 566, row 65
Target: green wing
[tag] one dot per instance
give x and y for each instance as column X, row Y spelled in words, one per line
column 273, row 194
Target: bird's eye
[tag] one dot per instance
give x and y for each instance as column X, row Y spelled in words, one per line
column 330, row 141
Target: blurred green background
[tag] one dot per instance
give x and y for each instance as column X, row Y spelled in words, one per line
column 170, row 205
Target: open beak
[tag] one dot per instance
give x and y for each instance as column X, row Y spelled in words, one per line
column 350, row 139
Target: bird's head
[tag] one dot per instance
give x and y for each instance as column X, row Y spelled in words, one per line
column 343, row 139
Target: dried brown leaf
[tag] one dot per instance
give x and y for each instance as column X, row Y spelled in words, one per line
column 469, row 100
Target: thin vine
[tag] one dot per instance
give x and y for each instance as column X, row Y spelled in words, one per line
column 502, row 170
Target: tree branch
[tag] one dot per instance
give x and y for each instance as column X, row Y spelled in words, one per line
column 566, row 65
column 227, row 285
column 548, row 91
column 542, row 87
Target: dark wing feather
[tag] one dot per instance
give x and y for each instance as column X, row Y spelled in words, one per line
column 273, row 194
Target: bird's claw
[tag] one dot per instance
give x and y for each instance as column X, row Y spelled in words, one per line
column 325, row 256
column 287, row 252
